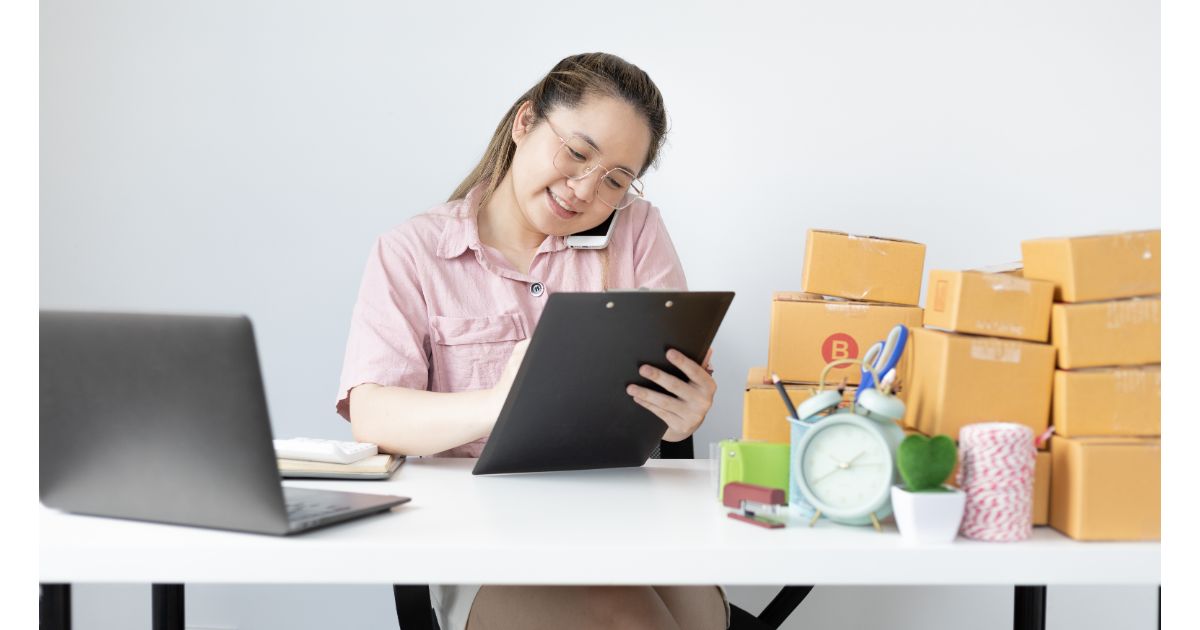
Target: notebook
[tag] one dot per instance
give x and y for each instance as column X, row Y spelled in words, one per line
column 379, row 466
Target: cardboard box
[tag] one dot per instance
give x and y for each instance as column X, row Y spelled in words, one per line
column 1099, row 334
column 993, row 304
column 809, row 331
column 763, row 412
column 1101, row 267
column 1108, row 401
column 1041, row 488
column 863, row 267
column 961, row 379
column 1105, row 488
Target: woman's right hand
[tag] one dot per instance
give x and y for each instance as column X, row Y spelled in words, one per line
column 499, row 391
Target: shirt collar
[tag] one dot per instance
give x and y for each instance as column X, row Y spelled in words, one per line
column 462, row 233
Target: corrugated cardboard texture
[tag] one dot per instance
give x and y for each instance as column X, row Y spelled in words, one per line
column 992, row 304
column 960, row 379
column 808, row 331
column 1106, row 488
column 863, row 267
column 763, row 411
column 1100, row 267
column 1108, row 401
column 1113, row 333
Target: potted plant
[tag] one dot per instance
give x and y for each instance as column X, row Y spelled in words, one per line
column 927, row 510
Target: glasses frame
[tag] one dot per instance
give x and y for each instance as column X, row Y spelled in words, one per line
column 636, row 187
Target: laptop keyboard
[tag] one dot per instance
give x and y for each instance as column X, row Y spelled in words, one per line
column 299, row 511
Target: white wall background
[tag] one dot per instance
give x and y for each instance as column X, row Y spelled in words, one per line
column 240, row 156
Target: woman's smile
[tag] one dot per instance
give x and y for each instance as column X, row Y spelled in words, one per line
column 560, row 207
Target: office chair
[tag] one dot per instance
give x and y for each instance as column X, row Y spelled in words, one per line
column 414, row 609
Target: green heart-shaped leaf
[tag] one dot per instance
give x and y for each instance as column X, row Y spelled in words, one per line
column 925, row 463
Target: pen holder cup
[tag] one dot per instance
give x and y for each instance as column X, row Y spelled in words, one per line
column 799, row 506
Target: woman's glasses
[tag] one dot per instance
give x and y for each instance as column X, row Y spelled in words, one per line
column 576, row 159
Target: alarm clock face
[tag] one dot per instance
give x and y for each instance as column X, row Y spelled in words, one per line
column 847, row 467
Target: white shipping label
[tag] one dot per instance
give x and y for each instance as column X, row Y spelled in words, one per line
column 1132, row 313
column 991, row 350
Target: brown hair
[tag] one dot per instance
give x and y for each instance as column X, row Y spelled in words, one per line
column 570, row 82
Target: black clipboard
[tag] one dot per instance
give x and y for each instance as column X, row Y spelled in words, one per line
column 567, row 409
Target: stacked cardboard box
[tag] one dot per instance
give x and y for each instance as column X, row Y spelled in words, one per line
column 1106, row 411
column 855, row 290
column 763, row 411
column 984, row 357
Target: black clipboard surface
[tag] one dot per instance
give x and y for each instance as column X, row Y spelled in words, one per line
column 568, row 409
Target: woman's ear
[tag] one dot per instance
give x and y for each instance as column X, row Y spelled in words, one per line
column 523, row 121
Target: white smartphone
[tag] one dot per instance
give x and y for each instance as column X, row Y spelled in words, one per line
column 597, row 237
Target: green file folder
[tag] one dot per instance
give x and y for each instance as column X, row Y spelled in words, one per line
column 758, row 463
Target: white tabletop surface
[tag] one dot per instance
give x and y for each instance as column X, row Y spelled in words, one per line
column 659, row 524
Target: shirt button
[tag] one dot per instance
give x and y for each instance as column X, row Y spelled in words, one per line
column 537, row 289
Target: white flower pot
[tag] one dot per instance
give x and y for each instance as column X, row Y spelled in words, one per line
column 928, row 517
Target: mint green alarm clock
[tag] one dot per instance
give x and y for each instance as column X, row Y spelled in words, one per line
column 845, row 463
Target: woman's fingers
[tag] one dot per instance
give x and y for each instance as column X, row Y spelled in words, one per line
column 665, row 380
column 695, row 373
column 683, row 411
column 677, row 427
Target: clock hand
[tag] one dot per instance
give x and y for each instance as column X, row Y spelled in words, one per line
column 818, row 479
column 837, row 461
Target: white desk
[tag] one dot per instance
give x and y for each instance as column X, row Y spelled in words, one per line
column 660, row 524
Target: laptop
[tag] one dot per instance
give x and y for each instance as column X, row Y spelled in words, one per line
column 164, row 418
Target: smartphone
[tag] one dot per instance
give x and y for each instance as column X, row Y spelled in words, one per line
column 597, row 237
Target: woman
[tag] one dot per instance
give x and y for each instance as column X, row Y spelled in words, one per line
column 449, row 298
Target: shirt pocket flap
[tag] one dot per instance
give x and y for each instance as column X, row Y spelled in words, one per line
column 454, row 331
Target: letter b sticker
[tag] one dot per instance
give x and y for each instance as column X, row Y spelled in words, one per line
column 839, row 346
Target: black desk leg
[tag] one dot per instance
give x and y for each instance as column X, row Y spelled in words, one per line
column 167, row 604
column 56, row 607
column 1029, row 608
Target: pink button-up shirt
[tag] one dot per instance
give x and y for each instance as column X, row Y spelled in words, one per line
column 438, row 310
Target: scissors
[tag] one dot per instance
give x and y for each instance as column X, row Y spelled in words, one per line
column 882, row 358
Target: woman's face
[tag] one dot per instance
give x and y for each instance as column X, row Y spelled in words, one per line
column 557, row 205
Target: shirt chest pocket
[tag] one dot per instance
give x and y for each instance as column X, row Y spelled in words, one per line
column 470, row 352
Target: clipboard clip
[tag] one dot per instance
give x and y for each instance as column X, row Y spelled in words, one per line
column 757, row 505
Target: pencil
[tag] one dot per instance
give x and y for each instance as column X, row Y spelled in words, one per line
column 783, row 393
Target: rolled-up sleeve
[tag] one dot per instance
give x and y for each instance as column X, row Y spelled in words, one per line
column 389, row 331
column 656, row 264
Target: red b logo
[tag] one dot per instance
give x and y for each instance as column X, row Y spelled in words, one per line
column 839, row 346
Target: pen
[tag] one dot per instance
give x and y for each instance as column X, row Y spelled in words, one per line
column 786, row 400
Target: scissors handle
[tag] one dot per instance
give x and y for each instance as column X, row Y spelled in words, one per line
column 882, row 357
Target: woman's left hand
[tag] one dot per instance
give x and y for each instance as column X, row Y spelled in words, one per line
column 684, row 412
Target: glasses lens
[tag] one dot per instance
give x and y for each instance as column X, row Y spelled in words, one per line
column 615, row 188
column 576, row 159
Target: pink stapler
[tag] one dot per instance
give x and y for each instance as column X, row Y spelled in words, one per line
column 752, row 501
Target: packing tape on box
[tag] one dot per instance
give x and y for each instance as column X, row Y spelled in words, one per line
column 1132, row 312
column 1001, row 283
column 997, row 461
column 868, row 243
column 846, row 308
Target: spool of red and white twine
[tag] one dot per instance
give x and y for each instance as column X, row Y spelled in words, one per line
column 996, row 473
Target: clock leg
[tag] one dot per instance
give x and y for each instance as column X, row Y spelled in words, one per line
column 813, row 521
column 875, row 522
